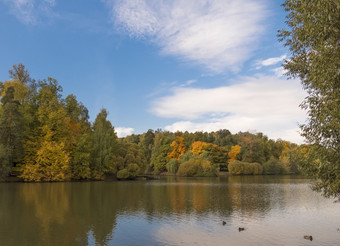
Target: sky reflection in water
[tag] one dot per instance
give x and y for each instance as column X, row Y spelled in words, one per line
column 273, row 210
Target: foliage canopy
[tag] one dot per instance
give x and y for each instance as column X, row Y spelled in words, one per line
column 313, row 38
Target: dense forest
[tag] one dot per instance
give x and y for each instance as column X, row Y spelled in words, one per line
column 45, row 137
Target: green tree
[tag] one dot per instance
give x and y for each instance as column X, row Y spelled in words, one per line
column 20, row 73
column 160, row 151
column 134, row 138
column 25, row 92
column 51, row 112
column 48, row 157
column 79, row 142
column 146, row 143
column 217, row 155
column 223, row 138
column 129, row 161
column 255, row 147
column 10, row 127
column 313, row 36
column 80, row 161
column 5, row 163
column 104, row 141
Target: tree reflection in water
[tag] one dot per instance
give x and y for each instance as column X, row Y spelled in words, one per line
column 88, row 213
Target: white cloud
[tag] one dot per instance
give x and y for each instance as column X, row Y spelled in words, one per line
column 29, row 11
column 193, row 234
column 274, row 128
column 279, row 71
column 265, row 103
column 220, row 35
column 189, row 82
column 270, row 61
column 123, row 131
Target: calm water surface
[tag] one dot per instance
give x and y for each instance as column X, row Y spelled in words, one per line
column 273, row 210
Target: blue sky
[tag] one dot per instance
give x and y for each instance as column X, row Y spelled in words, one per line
column 196, row 65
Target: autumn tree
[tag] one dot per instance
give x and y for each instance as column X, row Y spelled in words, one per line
column 198, row 147
column 234, row 152
column 51, row 164
column 216, row 154
column 312, row 36
column 48, row 159
column 285, row 156
column 178, row 148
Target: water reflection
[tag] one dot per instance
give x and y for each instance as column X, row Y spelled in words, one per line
column 162, row 212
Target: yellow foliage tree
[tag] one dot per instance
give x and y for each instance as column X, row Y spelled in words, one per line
column 178, row 148
column 234, row 152
column 52, row 164
column 198, row 147
column 285, row 156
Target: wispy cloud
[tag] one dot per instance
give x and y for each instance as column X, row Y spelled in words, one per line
column 123, row 131
column 30, row 11
column 220, row 35
column 265, row 103
column 270, row 61
column 188, row 82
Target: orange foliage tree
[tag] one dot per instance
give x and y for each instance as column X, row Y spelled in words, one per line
column 177, row 148
column 198, row 147
column 233, row 153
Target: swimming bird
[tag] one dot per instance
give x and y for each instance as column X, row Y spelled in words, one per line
column 223, row 222
column 308, row 238
column 241, row 229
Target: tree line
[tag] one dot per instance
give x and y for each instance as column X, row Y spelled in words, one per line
column 207, row 153
column 45, row 137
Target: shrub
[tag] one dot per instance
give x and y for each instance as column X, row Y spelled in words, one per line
column 186, row 157
column 258, row 168
column 123, row 174
column 188, row 168
column 273, row 166
column 236, row 167
column 241, row 167
column 172, row 166
column 197, row 167
column 133, row 170
column 208, row 169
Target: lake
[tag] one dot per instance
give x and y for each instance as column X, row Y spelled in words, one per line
column 273, row 210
